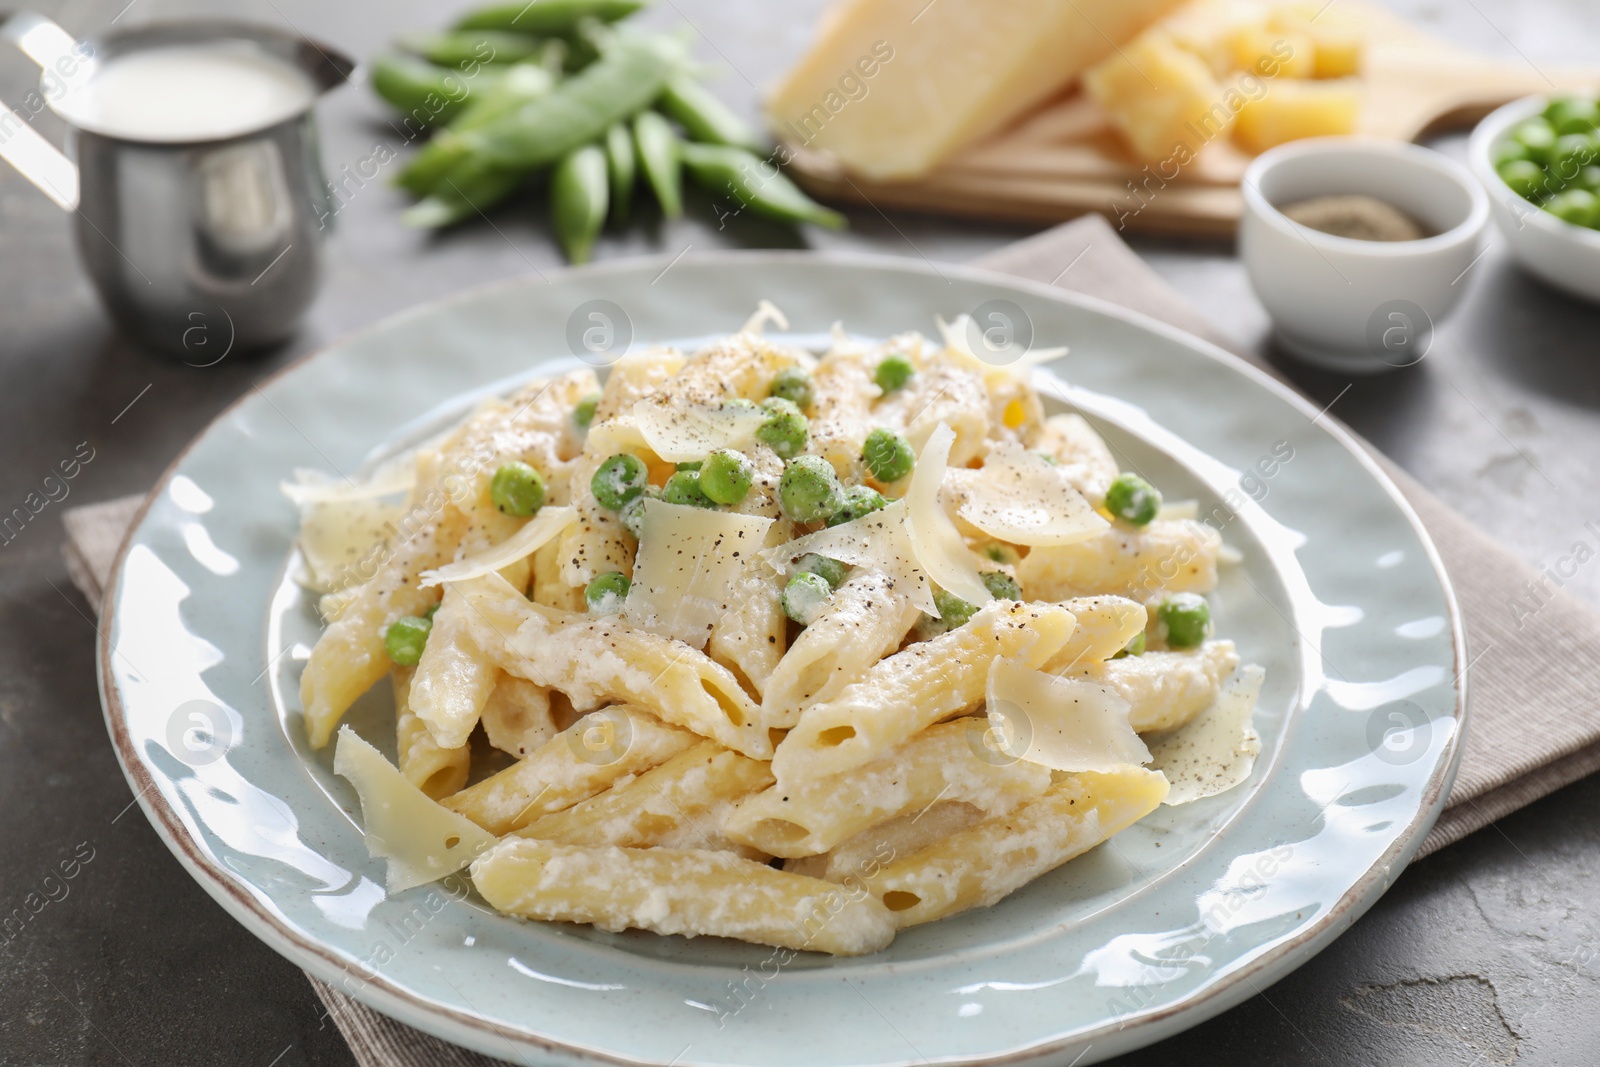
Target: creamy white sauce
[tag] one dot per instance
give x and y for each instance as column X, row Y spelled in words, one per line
column 193, row 92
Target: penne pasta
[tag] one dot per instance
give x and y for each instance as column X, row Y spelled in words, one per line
column 866, row 619
column 913, row 689
column 944, row 762
column 864, row 854
column 668, row 802
column 517, row 717
column 679, row 891
column 436, row 771
column 1165, row 690
column 454, row 678
column 978, row 866
column 574, row 765
column 1177, row 556
column 1105, row 626
column 1080, row 452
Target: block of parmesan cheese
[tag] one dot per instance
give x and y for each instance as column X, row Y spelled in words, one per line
column 892, row 87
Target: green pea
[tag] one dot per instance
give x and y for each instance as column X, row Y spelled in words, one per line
column 691, row 465
column 579, row 196
column 1536, row 135
column 1135, row 647
column 827, row 568
column 517, row 489
column 703, row 116
column 622, row 168
column 756, row 183
column 1184, row 620
column 1569, row 155
column 1000, row 552
column 786, row 429
column 546, row 16
column 618, row 480
column 1589, row 178
column 859, row 500
column 727, row 476
column 888, row 455
column 632, row 513
column 953, row 612
column 583, row 414
column 893, row 373
column 660, row 153
column 1506, row 151
column 684, row 488
column 1525, row 177
column 1132, row 499
column 1001, row 585
column 1580, row 207
column 809, row 490
column 1572, row 114
column 805, row 596
column 405, row 639
column 794, row 385
column 433, row 609
column 740, row 403
column 606, row 593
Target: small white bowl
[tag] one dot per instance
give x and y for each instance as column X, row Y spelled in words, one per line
column 1566, row 256
column 1359, row 306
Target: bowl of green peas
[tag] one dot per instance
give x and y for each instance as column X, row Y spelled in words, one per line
column 1539, row 159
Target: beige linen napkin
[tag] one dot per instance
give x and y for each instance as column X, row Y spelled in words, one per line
column 1535, row 726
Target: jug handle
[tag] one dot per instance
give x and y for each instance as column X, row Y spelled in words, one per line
column 66, row 62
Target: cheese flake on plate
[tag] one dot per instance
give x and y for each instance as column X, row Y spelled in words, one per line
column 1217, row 749
column 534, row 535
column 877, row 541
column 340, row 522
column 935, row 541
column 1019, row 497
column 682, row 433
column 1067, row 724
column 688, row 564
column 420, row 840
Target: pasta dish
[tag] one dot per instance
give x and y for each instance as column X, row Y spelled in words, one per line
column 800, row 648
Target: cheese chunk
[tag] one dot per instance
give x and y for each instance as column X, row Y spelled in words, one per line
column 1165, row 100
column 689, row 560
column 892, row 87
column 420, row 840
column 1291, row 110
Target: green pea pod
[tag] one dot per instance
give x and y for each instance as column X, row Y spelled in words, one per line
column 472, row 186
column 703, row 116
column 660, row 157
column 521, row 83
column 453, row 49
column 580, row 110
column 427, row 94
column 545, row 16
column 622, row 168
column 756, row 183
column 578, row 195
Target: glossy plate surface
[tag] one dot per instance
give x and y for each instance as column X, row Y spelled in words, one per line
column 1339, row 595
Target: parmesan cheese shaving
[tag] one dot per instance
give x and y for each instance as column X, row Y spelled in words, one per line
column 314, row 487
column 419, row 840
column 955, row 334
column 766, row 311
column 341, row 521
column 545, row 527
column 935, row 541
column 689, row 561
column 1067, row 724
column 1218, row 749
column 877, row 541
column 683, row 433
column 1019, row 497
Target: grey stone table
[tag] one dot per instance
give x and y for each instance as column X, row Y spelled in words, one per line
column 1481, row 954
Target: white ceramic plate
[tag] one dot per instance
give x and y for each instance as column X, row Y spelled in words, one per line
column 1339, row 595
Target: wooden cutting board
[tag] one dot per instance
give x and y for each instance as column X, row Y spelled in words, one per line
column 1065, row 159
